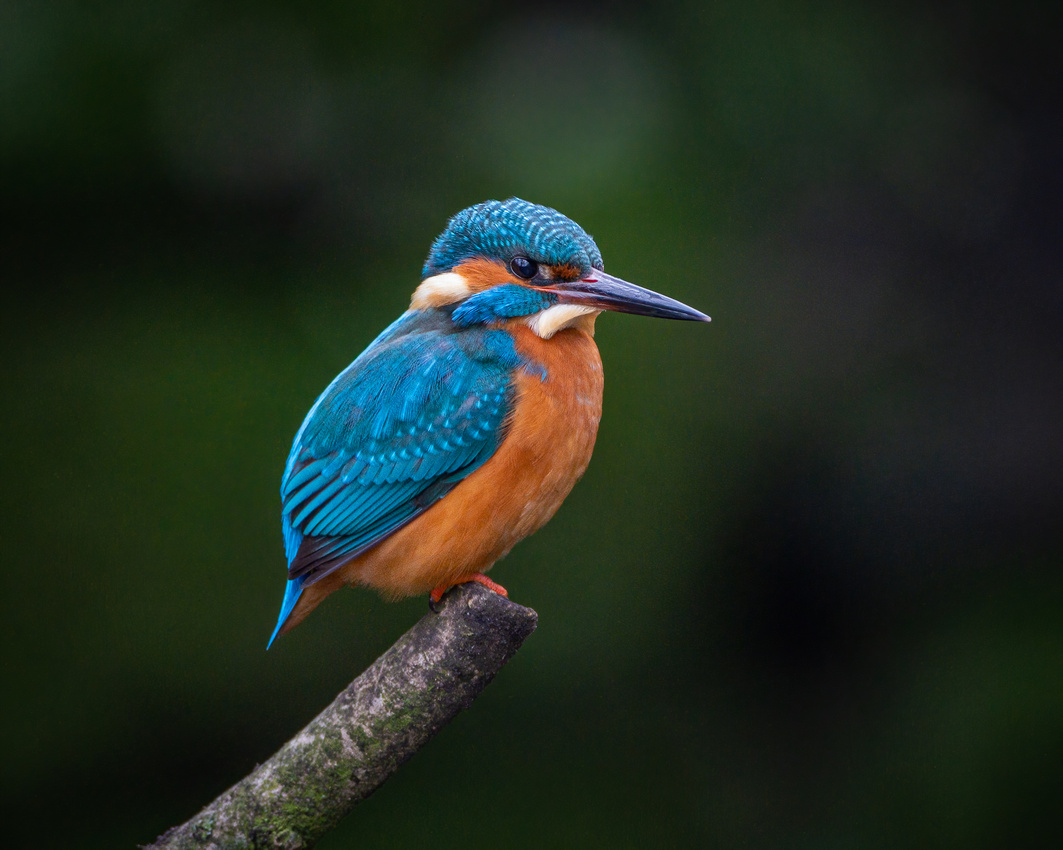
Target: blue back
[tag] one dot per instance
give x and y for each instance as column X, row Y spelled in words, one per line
column 421, row 408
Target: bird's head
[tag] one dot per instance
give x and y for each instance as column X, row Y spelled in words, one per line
column 503, row 260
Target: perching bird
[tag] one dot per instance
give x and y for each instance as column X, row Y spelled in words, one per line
column 463, row 426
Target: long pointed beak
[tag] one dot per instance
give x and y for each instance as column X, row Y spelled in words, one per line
column 605, row 292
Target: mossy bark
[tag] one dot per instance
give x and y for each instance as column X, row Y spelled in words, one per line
column 381, row 719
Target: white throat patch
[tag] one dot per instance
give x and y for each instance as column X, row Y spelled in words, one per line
column 548, row 322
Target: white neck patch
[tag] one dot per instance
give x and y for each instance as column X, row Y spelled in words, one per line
column 548, row 322
column 439, row 290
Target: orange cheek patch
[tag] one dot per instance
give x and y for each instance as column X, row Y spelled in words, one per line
column 483, row 274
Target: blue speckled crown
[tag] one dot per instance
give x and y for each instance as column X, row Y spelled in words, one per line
column 504, row 229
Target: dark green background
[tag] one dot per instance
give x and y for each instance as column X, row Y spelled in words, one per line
column 808, row 593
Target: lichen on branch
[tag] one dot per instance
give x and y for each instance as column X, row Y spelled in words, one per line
column 377, row 722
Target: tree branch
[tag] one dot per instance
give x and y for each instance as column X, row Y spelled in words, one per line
column 381, row 719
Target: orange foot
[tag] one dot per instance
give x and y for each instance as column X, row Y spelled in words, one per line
column 479, row 578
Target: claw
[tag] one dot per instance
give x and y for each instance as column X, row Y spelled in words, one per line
column 436, row 595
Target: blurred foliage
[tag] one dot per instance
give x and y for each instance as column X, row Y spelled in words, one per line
column 808, row 593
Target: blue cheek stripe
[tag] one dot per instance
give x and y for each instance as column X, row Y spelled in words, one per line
column 501, row 302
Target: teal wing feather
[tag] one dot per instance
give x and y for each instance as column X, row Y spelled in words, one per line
column 424, row 406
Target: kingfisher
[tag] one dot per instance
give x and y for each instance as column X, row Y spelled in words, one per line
column 464, row 425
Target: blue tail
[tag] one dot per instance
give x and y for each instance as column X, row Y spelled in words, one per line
column 292, row 592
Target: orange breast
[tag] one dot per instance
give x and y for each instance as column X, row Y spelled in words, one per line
column 546, row 450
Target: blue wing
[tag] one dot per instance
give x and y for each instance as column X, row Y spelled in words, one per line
column 420, row 409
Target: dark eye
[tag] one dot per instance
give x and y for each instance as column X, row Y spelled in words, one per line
column 524, row 268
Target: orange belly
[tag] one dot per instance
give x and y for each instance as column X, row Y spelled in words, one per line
column 546, row 450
